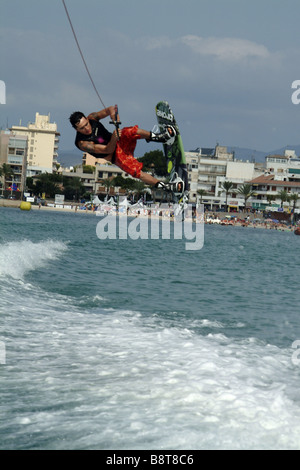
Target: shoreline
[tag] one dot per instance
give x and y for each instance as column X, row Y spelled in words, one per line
column 58, row 207
column 209, row 218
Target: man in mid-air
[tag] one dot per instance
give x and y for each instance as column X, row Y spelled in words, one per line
column 117, row 147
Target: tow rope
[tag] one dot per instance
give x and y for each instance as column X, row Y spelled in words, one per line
column 116, row 122
column 82, row 56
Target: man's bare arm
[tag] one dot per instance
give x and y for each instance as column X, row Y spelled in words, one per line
column 103, row 113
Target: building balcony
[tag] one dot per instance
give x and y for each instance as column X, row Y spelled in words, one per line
column 16, row 180
column 15, row 160
column 213, row 172
column 210, row 180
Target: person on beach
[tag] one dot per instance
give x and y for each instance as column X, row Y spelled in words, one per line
column 117, row 147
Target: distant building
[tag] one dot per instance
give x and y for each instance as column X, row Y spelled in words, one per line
column 204, row 166
column 89, row 160
column 103, row 170
column 286, row 167
column 267, row 189
column 94, row 182
column 13, row 152
column 209, row 168
column 43, row 139
column 282, row 173
column 238, row 173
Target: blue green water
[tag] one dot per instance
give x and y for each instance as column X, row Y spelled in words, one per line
column 140, row 344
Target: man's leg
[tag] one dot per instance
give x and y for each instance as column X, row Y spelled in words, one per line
column 162, row 137
column 143, row 134
column 125, row 160
column 148, row 179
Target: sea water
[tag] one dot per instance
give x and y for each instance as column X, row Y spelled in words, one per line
column 140, row 344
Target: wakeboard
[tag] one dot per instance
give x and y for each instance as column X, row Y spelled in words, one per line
column 174, row 152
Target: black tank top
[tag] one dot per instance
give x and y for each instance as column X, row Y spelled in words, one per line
column 99, row 135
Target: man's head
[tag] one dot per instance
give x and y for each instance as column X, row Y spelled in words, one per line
column 80, row 123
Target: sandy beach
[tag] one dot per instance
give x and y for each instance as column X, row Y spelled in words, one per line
column 50, row 207
column 229, row 220
column 9, row 203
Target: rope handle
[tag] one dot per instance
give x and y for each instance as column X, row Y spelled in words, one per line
column 116, row 122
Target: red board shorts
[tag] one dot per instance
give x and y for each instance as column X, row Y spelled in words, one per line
column 124, row 152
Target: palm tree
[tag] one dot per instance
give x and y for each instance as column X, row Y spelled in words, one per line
column 201, row 193
column 48, row 183
column 1, row 174
column 270, row 198
column 246, row 191
column 294, row 197
column 283, row 196
column 139, row 187
column 107, row 183
column 73, row 188
column 227, row 187
column 6, row 172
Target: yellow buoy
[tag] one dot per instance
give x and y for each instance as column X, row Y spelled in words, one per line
column 25, row 206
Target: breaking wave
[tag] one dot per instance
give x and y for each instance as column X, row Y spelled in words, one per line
column 19, row 258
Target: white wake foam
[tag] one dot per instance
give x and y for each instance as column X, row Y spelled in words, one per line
column 18, row 258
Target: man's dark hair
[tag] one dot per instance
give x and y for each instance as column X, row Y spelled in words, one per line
column 75, row 118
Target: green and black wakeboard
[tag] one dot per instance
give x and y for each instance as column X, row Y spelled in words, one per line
column 173, row 150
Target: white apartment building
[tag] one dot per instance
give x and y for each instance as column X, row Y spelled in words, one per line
column 282, row 173
column 238, row 173
column 285, row 167
column 209, row 168
column 43, row 139
column 204, row 166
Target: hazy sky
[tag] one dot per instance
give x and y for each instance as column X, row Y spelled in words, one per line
column 225, row 66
